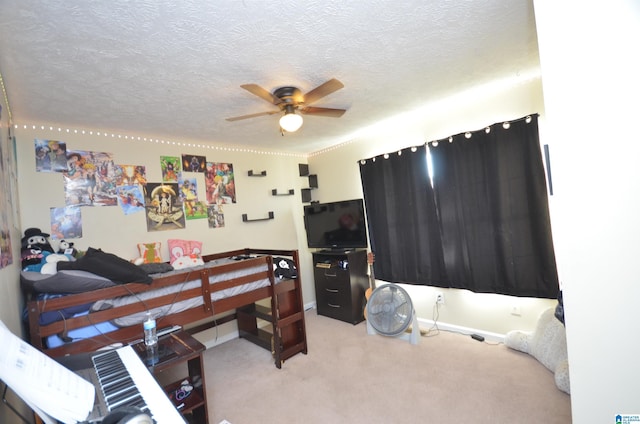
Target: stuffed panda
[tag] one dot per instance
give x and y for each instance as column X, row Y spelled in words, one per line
column 66, row 247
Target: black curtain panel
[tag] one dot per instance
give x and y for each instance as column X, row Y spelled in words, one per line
column 491, row 200
column 401, row 216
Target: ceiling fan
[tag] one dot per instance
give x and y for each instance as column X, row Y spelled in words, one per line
column 291, row 100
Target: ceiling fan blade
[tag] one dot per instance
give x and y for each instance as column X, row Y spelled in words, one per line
column 323, row 111
column 262, row 93
column 253, row 115
column 322, row 90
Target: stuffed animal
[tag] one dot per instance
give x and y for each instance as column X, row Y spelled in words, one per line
column 51, row 262
column 66, row 247
column 33, row 259
column 34, row 237
column 548, row 344
column 34, row 243
column 48, row 263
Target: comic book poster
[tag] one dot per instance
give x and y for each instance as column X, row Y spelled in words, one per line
column 90, row 179
column 215, row 216
column 163, row 207
column 66, row 223
column 220, row 183
column 51, row 155
column 171, row 168
column 193, row 163
column 130, row 199
column 130, row 175
column 193, row 208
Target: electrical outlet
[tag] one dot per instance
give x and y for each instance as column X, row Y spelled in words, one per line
column 439, row 298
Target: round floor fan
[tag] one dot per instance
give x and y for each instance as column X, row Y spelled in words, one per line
column 390, row 313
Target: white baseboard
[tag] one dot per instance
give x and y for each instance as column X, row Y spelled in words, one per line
column 426, row 324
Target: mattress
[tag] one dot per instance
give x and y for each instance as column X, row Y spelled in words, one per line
column 159, row 312
column 85, row 280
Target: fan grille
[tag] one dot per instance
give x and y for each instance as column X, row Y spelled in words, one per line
column 389, row 310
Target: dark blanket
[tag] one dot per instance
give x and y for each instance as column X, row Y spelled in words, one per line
column 108, row 265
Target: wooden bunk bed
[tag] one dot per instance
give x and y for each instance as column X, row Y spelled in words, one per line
column 285, row 334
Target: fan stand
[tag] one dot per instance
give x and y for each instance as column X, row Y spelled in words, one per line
column 412, row 336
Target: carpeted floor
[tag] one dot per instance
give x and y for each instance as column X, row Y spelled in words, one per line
column 349, row 376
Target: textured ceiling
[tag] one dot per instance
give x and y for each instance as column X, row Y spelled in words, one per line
column 174, row 68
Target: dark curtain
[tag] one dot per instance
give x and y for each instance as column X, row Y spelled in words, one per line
column 491, row 199
column 401, row 217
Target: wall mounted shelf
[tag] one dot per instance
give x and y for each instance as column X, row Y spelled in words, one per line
column 246, row 219
column 306, row 195
column 303, row 170
column 261, row 174
column 275, row 192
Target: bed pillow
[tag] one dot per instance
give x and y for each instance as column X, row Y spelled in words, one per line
column 189, row 261
column 179, row 248
column 108, row 265
column 66, row 281
column 150, row 252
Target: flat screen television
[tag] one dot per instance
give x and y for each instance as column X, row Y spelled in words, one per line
column 336, row 225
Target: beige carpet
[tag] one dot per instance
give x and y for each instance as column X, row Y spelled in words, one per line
column 349, row 376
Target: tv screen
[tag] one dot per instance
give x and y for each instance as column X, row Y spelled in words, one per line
column 336, row 225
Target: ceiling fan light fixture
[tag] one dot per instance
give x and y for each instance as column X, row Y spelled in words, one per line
column 290, row 121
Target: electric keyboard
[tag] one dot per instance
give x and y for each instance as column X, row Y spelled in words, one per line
column 121, row 379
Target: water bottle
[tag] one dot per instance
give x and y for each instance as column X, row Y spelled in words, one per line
column 150, row 335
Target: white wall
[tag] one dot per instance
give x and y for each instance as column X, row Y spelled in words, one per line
column 339, row 179
column 590, row 66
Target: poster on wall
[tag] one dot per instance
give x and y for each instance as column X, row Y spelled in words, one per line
column 171, row 168
column 51, row 155
column 6, row 254
column 131, row 183
column 130, row 199
column 90, row 179
column 193, row 208
column 220, row 183
column 130, row 175
column 193, row 163
column 164, row 207
column 66, row 223
column 215, row 216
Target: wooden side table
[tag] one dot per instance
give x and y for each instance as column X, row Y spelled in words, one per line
column 174, row 349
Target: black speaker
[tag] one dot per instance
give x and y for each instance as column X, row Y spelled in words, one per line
column 127, row 415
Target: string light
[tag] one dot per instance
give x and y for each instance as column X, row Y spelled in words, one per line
column 467, row 135
column 434, row 143
column 157, row 141
column 506, row 125
column 6, row 99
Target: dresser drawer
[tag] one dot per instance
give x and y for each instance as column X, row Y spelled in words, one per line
column 340, row 282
